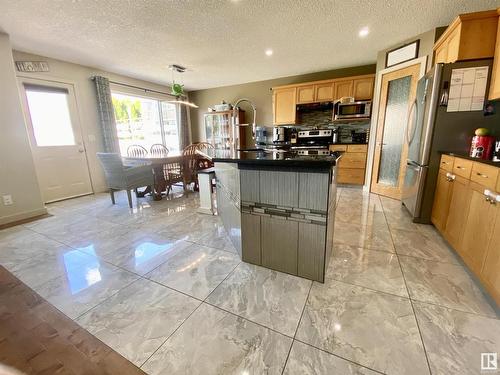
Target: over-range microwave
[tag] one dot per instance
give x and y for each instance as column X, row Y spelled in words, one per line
column 353, row 110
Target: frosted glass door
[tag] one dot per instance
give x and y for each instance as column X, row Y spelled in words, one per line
column 398, row 91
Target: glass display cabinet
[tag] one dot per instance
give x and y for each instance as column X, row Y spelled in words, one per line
column 218, row 130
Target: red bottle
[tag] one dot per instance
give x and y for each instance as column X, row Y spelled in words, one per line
column 482, row 147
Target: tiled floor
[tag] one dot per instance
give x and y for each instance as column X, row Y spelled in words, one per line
column 163, row 286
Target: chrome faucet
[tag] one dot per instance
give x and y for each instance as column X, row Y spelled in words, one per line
column 235, row 118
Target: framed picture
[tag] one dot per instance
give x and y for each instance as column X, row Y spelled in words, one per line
column 402, row 54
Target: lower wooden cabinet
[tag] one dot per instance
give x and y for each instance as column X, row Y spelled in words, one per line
column 352, row 165
column 442, row 199
column 467, row 214
column 459, row 203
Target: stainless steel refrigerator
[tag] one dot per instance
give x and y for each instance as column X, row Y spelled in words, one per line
column 432, row 129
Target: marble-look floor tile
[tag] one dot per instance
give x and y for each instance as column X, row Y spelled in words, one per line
column 454, row 340
column 218, row 239
column 13, row 233
column 196, row 270
column 86, row 283
column 370, row 237
column 360, row 215
column 401, row 221
column 373, row 329
column 145, row 254
column 444, row 284
column 138, row 319
column 377, row 270
column 306, row 360
column 417, row 244
column 215, row 342
column 267, row 297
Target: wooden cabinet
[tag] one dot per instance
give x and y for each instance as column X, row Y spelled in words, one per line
column 343, row 88
column 495, row 73
column 478, row 228
column 284, row 112
column 459, row 203
column 323, row 92
column 352, row 164
column 305, row 94
column 469, row 36
column 442, row 197
column 469, row 218
column 363, row 88
column 285, row 98
column 490, row 274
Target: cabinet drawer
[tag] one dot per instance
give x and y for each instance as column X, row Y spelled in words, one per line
column 353, row 160
column 446, row 163
column 351, row 176
column 484, row 174
column 462, row 167
column 357, row 148
column 338, row 148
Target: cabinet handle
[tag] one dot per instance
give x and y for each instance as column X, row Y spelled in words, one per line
column 482, row 175
column 459, row 167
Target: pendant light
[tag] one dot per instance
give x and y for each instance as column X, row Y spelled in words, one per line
column 178, row 89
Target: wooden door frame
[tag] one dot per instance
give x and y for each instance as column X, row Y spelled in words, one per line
column 55, row 82
column 375, row 111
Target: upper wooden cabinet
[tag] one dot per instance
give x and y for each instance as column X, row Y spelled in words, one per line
column 284, row 101
column 359, row 87
column 305, row 94
column 469, row 36
column 323, row 92
column 495, row 74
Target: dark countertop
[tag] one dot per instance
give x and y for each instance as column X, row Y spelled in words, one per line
column 288, row 159
column 465, row 156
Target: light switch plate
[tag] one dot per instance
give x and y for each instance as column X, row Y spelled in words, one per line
column 7, row 200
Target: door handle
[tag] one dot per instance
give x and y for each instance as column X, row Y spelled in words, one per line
column 408, row 124
column 80, row 150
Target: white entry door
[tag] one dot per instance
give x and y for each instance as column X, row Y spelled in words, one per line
column 56, row 140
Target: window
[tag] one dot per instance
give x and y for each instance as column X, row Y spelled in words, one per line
column 50, row 118
column 145, row 121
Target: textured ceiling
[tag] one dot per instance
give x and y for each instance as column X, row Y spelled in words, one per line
column 221, row 42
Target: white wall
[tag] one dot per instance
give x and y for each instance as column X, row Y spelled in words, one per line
column 79, row 76
column 17, row 170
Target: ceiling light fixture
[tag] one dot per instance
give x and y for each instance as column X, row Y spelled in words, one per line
column 364, row 32
column 177, row 89
column 269, row 52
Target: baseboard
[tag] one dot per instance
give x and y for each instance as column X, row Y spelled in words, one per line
column 22, row 216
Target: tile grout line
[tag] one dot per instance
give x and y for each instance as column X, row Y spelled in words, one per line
column 411, row 302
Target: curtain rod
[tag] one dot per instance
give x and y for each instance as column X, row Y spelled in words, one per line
column 141, row 88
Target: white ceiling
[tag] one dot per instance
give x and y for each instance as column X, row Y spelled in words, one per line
column 221, row 42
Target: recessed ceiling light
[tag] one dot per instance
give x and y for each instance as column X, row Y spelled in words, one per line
column 363, row 32
column 269, row 52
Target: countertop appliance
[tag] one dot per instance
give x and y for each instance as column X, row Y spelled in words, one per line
column 352, row 111
column 281, row 135
column 431, row 129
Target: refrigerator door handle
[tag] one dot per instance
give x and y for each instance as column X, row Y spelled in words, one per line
column 409, row 124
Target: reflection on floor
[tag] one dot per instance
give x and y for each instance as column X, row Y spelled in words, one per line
column 163, row 286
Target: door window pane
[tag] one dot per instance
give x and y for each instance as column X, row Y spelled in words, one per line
column 396, row 110
column 50, row 116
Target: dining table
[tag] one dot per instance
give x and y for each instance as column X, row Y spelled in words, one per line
column 157, row 163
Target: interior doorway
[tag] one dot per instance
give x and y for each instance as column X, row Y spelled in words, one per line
column 397, row 93
column 56, row 139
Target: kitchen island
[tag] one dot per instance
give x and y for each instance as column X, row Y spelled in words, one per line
column 278, row 208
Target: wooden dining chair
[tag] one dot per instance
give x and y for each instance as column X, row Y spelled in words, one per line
column 158, row 150
column 136, row 151
column 195, row 162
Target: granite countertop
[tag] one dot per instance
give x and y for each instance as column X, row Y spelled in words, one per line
column 288, row 159
column 466, row 156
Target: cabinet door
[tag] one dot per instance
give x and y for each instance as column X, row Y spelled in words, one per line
column 342, row 88
column 284, row 101
column 442, row 197
column 363, row 88
column 459, row 204
column 495, row 72
column 478, row 228
column 305, row 94
column 491, row 269
column 323, row 92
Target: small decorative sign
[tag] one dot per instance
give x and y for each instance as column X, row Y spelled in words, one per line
column 32, row 66
column 402, row 54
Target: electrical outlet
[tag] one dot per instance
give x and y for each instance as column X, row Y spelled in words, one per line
column 7, row 200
